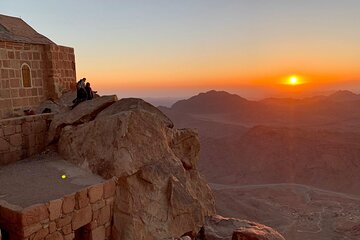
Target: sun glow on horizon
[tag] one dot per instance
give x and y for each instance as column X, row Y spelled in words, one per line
column 294, row 80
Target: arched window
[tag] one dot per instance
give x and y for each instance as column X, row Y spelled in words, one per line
column 26, row 75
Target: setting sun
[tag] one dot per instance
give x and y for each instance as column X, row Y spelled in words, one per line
column 294, row 80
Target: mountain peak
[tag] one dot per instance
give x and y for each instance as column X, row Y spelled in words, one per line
column 344, row 95
column 216, row 92
column 210, row 102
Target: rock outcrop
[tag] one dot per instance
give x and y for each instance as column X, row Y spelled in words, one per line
column 220, row 228
column 160, row 193
column 83, row 113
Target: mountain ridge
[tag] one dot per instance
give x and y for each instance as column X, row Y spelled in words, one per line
column 312, row 142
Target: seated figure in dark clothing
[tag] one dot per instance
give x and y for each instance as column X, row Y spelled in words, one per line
column 81, row 90
column 89, row 91
column 81, row 94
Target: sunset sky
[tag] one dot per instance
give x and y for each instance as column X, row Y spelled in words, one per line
column 154, row 48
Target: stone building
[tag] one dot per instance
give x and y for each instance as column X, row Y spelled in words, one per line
column 32, row 67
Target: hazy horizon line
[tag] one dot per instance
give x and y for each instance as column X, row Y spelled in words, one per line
column 168, row 101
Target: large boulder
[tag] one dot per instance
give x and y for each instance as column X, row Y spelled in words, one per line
column 135, row 104
column 220, row 228
column 160, row 193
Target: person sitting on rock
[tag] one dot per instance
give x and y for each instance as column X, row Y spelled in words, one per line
column 81, row 94
column 89, row 91
column 81, row 90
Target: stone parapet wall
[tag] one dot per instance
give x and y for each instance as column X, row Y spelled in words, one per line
column 23, row 137
column 86, row 214
column 13, row 96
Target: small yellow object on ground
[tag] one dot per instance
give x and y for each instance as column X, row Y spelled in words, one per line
column 63, row 176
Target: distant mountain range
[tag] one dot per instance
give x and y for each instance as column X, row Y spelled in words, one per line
column 336, row 111
column 312, row 141
column 221, row 101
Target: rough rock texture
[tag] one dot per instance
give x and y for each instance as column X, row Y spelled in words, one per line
column 60, row 105
column 298, row 212
column 159, row 192
column 135, row 104
column 220, row 228
column 84, row 112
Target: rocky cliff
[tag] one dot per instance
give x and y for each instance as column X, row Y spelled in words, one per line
column 160, row 193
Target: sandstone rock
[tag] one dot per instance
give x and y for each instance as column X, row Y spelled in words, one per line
column 220, row 228
column 186, row 147
column 52, row 227
column 109, row 188
column 55, row 209
column 54, row 236
column 257, row 233
column 28, row 230
column 98, row 233
column 95, row 193
column 81, row 217
column 34, row 214
column 104, row 215
column 67, row 229
column 41, row 234
column 135, row 105
column 99, row 204
column 66, row 100
column 70, row 236
column 60, row 105
column 82, row 113
column 81, row 199
column 159, row 192
column 68, row 204
column 63, row 221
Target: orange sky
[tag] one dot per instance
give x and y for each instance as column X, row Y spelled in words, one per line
column 176, row 48
column 322, row 60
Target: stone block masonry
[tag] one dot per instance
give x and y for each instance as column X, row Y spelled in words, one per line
column 60, row 70
column 13, row 96
column 86, row 214
column 52, row 72
column 23, row 137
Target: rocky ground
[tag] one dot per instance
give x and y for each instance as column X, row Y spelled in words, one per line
column 296, row 211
